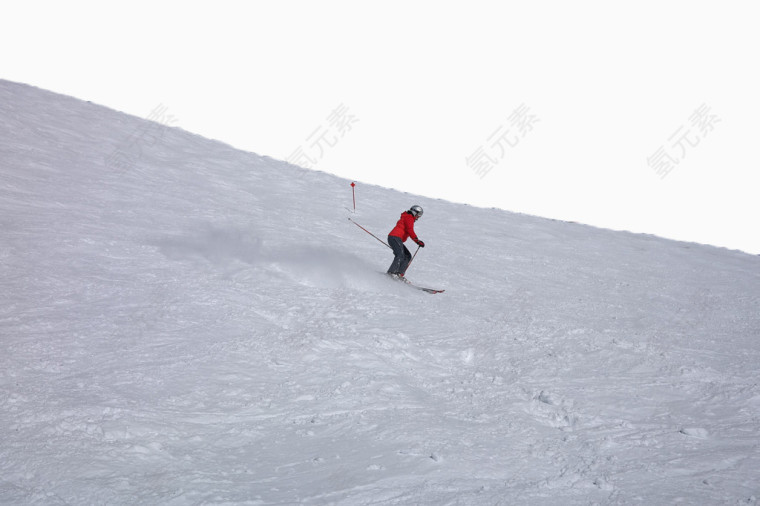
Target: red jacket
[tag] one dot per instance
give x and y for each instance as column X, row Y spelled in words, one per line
column 405, row 227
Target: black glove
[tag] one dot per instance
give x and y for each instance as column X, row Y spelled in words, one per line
column 422, row 244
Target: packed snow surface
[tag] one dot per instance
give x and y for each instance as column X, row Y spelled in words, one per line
column 185, row 323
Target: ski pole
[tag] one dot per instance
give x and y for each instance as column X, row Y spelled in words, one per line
column 370, row 233
column 412, row 260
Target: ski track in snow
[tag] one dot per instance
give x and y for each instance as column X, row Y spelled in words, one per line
column 206, row 327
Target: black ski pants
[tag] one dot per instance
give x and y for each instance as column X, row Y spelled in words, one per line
column 402, row 255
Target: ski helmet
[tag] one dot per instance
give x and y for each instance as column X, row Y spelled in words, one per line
column 416, row 211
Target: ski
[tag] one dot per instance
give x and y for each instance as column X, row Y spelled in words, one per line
column 428, row 290
column 424, row 289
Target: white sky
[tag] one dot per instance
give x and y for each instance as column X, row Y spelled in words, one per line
column 604, row 84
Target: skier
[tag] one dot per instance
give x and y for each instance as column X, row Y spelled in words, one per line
column 403, row 230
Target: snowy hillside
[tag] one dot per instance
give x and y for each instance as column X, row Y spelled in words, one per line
column 184, row 323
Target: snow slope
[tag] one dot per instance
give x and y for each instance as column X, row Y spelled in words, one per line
column 184, row 323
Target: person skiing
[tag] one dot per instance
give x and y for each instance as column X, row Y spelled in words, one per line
column 403, row 230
